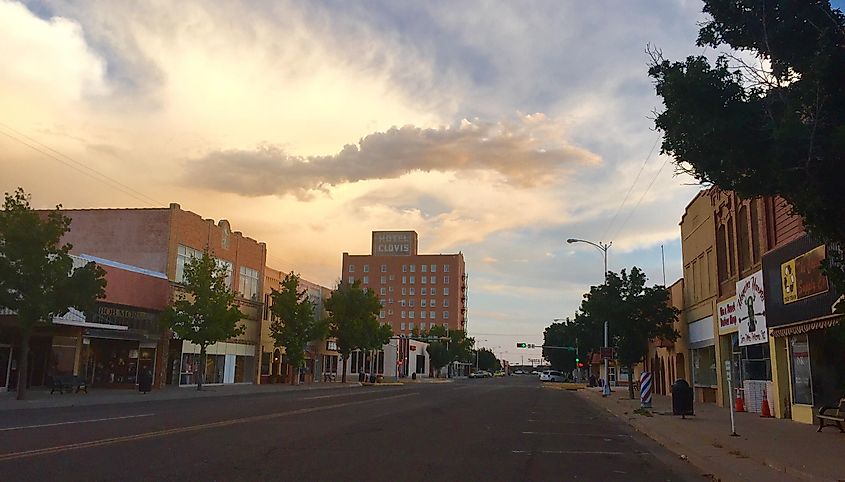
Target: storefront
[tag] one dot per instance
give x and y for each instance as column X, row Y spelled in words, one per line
column 807, row 337
column 225, row 363
column 728, row 327
column 750, row 350
column 702, row 344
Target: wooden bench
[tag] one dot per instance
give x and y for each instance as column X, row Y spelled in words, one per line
column 67, row 382
column 835, row 414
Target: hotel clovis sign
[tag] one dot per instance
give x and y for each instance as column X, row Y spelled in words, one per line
column 751, row 310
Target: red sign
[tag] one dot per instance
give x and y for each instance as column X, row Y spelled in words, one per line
column 607, row 352
column 413, row 348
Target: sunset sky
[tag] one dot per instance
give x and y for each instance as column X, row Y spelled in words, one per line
column 498, row 129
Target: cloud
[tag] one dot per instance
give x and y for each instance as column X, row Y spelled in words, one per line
column 524, row 153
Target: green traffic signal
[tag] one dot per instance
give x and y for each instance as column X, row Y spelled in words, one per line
column 521, row 345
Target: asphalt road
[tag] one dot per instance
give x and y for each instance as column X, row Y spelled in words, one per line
column 492, row 429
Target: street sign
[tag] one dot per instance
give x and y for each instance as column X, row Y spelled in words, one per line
column 530, row 345
column 607, row 352
column 728, row 370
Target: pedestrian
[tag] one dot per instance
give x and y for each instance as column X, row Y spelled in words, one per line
column 592, row 380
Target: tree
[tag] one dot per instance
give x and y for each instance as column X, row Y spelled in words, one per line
column 635, row 313
column 352, row 318
column 447, row 346
column 487, row 360
column 562, row 334
column 774, row 126
column 294, row 321
column 205, row 312
column 37, row 279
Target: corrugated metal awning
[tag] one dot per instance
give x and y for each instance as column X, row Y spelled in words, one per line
column 806, row 326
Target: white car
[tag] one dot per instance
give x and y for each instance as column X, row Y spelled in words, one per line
column 552, row 376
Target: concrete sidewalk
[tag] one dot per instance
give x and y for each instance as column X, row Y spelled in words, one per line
column 766, row 449
column 41, row 398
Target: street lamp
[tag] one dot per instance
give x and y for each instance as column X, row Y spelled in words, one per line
column 603, row 247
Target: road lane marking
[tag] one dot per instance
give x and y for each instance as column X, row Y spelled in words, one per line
column 336, row 395
column 579, row 434
column 190, row 428
column 566, row 452
column 75, row 421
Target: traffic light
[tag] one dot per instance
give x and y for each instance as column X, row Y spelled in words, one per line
column 521, row 345
column 580, row 365
column 577, row 360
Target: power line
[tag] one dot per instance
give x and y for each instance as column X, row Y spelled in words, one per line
column 630, row 213
column 79, row 166
column 630, row 189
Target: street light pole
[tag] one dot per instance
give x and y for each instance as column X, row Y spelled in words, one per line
column 603, row 247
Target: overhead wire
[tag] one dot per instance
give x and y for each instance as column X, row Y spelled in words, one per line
column 630, row 189
column 647, row 189
column 78, row 166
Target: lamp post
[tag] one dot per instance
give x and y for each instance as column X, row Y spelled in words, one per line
column 603, row 247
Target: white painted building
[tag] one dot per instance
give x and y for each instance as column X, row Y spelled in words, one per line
column 399, row 358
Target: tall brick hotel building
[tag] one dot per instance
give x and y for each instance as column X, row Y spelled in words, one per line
column 417, row 291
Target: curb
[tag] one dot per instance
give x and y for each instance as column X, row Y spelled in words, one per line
column 382, row 384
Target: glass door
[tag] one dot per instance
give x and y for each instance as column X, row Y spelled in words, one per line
column 5, row 366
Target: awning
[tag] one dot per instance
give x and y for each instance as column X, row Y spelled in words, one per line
column 119, row 335
column 806, row 326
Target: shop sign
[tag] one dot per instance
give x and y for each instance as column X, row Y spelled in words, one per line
column 727, row 316
column 751, row 310
column 802, row 277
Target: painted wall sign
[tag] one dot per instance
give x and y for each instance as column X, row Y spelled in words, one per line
column 393, row 243
column 728, row 322
column 751, row 310
column 801, row 276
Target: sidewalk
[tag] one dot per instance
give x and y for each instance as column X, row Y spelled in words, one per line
column 41, row 398
column 766, row 448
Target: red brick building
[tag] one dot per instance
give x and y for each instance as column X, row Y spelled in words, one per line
column 417, row 291
column 164, row 239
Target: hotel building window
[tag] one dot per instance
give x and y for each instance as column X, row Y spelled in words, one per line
column 402, row 303
column 402, row 326
column 433, row 291
column 390, row 289
column 404, row 268
column 351, row 279
column 423, row 268
column 384, row 268
column 445, row 268
column 431, row 315
column 404, row 279
column 413, row 268
column 422, row 326
column 351, row 268
column 434, row 268
column 366, row 268
column 432, row 303
column 445, row 291
column 366, row 280
column 412, row 280
column 445, row 280
column 423, row 303
column 445, row 315
column 411, row 314
column 411, row 326
column 423, row 279
column 383, row 291
column 383, row 280
column 404, row 291
column 404, row 315
column 422, row 314
column 381, row 314
column 423, row 291
column 446, row 303
column 446, row 326
column 392, row 277
column 411, row 303
column 433, row 280
column 412, row 292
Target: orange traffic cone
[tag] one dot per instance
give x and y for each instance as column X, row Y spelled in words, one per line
column 764, row 409
column 740, row 403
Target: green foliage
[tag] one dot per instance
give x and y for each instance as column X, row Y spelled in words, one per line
column 487, row 360
column 205, row 312
column 353, row 320
column 37, row 279
column 778, row 130
column 636, row 314
column 561, row 334
column 294, row 322
column 448, row 346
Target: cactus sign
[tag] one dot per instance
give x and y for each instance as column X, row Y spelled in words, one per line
column 751, row 310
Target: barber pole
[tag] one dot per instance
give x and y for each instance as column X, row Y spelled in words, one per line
column 645, row 390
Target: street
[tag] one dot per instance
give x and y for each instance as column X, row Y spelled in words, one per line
column 492, row 429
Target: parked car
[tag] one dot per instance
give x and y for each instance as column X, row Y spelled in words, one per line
column 519, row 372
column 480, row 374
column 552, row 376
column 499, row 373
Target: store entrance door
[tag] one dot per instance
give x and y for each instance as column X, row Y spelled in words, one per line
column 5, row 366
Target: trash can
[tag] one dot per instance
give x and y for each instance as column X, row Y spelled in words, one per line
column 413, row 376
column 682, row 398
column 145, row 381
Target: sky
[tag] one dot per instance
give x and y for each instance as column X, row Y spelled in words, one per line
column 497, row 129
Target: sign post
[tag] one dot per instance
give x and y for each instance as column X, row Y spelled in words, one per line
column 730, row 390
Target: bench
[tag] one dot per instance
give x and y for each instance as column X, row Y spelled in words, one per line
column 67, row 382
column 835, row 414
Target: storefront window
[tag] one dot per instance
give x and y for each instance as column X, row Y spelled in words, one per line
column 215, row 366
column 756, row 362
column 265, row 363
column 64, row 355
column 704, row 366
column 802, row 386
column 190, row 368
column 245, row 368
